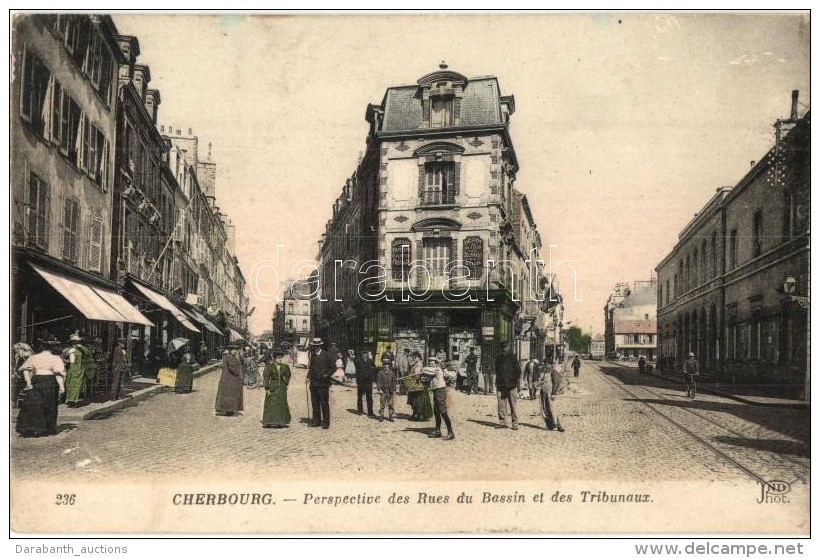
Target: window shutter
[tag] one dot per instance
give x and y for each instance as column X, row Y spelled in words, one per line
column 422, row 179
column 457, row 180
column 56, row 106
column 420, row 258
column 425, row 110
column 63, row 231
column 103, row 170
column 453, row 256
column 95, row 243
column 456, row 111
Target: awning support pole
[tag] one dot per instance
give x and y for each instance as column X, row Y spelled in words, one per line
column 49, row 321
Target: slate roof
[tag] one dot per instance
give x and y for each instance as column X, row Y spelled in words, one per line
column 480, row 105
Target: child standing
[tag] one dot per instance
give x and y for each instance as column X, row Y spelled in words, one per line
column 386, row 381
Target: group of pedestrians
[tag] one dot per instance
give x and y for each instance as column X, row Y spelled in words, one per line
column 508, row 382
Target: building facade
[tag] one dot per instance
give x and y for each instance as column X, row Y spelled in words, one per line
column 631, row 321
column 97, row 241
column 430, row 247
column 292, row 318
column 735, row 286
column 63, row 133
column 597, row 349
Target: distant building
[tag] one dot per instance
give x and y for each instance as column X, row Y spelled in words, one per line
column 724, row 288
column 598, row 347
column 292, row 318
column 631, row 320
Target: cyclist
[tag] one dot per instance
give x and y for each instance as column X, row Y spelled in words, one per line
column 690, row 372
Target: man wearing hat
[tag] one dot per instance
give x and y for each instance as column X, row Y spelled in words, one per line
column 118, row 366
column 322, row 366
column 364, row 381
column 508, row 374
column 690, row 370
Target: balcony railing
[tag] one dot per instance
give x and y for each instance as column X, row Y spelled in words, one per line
column 438, row 197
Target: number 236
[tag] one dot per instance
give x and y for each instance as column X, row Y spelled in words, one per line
column 65, row 499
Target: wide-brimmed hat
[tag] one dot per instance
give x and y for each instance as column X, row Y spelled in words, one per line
column 433, row 358
column 74, row 337
column 316, row 342
column 387, row 360
column 690, row 355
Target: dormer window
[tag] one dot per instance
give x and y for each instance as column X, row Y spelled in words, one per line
column 442, row 114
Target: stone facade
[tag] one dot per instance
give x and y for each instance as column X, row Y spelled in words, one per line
column 430, row 210
column 723, row 284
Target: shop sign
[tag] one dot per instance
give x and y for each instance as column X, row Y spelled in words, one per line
column 488, row 331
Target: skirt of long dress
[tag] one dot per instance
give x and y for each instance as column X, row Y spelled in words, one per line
column 421, row 404
column 276, row 411
column 229, row 394
column 185, row 378
column 38, row 411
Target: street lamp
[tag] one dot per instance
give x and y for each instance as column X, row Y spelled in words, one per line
column 789, row 286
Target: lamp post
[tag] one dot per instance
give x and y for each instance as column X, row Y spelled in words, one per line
column 789, row 286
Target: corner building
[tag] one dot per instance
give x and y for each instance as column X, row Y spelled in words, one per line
column 431, row 207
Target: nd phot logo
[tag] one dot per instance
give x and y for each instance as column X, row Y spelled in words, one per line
column 774, row 492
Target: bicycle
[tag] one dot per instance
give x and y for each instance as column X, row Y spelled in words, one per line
column 691, row 385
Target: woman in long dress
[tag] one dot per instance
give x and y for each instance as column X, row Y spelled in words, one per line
column 229, row 395
column 44, row 375
column 185, row 372
column 276, row 413
column 418, row 393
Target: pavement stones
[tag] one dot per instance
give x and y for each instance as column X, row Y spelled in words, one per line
column 608, row 436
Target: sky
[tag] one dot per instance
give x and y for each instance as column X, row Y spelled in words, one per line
column 625, row 123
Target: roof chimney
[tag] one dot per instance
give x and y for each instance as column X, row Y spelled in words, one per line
column 795, row 93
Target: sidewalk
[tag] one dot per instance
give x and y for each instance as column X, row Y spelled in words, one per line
column 749, row 394
column 133, row 390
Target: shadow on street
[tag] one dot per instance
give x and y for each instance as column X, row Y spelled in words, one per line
column 772, row 418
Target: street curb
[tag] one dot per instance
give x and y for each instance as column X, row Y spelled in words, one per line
column 130, row 400
column 721, row 393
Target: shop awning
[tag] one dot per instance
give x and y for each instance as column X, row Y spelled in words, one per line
column 165, row 304
column 131, row 314
column 94, row 303
column 234, row 336
column 204, row 321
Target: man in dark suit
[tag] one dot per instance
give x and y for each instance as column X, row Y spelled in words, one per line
column 364, row 382
column 508, row 374
column 322, row 366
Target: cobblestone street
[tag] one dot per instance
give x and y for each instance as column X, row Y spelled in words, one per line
column 609, row 435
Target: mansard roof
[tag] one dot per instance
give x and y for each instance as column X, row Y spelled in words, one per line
column 480, row 105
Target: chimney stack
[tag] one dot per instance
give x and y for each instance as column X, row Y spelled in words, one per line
column 795, row 93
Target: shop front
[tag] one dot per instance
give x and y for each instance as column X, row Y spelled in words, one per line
column 147, row 344
column 53, row 300
column 441, row 328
